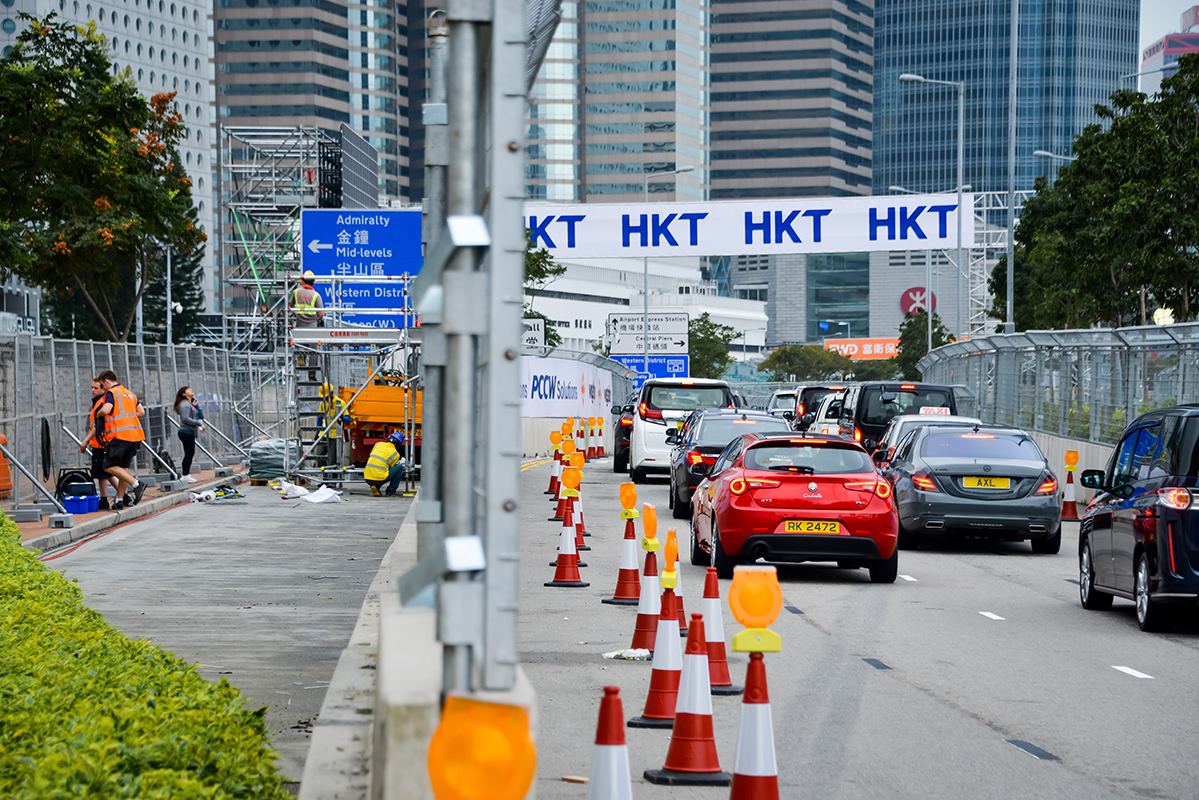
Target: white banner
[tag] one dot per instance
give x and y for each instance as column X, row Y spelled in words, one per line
column 557, row 387
column 748, row 227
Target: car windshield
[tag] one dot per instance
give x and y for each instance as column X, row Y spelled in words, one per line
column 980, row 445
column 811, row 397
column 782, row 401
column 722, row 431
column 807, row 459
column 833, row 410
column 907, row 401
column 687, row 398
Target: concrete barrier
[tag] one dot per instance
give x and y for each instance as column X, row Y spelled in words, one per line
column 1091, row 455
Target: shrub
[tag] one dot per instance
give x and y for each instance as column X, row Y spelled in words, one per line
column 88, row 712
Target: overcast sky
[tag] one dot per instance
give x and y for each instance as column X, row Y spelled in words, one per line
column 1159, row 17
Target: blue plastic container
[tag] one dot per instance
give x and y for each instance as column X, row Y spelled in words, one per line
column 76, row 504
column 93, row 503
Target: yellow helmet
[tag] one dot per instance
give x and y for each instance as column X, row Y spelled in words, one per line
column 308, row 276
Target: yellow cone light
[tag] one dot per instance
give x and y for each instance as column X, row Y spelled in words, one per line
column 756, row 599
column 570, row 479
column 481, row 751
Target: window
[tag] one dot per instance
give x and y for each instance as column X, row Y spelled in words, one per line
column 1122, row 470
column 726, row 458
column 722, row 430
column 980, row 445
column 9, row 26
column 807, row 459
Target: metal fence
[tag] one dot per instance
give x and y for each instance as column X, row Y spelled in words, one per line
column 45, row 385
column 1081, row 384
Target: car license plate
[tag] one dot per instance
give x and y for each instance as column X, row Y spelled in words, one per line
column 812, row 526
column 986, row 483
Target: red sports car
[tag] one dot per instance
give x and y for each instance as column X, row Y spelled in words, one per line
column 792, row 497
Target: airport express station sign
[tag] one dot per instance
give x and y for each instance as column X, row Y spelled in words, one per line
column 363, row 243
column 758, row 227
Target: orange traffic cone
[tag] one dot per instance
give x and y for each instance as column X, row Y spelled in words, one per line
column 567, row 572
column 560, row 511
column 645, row 630
column 591, row 437
column 664, row 680
column 599, row 445
column 556, row 441
column 691, row 759
column 580, row 545
column 576, row 461
column 755, row 772
column 672, row 539
column 567, row 522
column 1069, row 505
column 718, row 663
column 610, row 760
column 628, row 588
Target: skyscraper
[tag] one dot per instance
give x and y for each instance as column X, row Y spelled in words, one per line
column 1167, row 50
column 1071, row 54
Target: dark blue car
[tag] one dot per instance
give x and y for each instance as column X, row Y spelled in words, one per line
column 1139, row 537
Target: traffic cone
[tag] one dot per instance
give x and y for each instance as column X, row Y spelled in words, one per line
column 671, row 536
column 591, row 437
column 1069, row 506
column 649, row 606
column 718, row 663
column 610, row 760
column 691, row 759
column 567, row 523
column 580, row 545
column 557, row 445
column 628, row 588
column 755, row 772
column 579, row 523
column 567, row 572
column 560, row 511
column 664, row 680
column 599, row 446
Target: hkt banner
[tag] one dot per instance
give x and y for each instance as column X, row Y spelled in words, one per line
column 742, row 227
column 864, row 349
column 557, row 387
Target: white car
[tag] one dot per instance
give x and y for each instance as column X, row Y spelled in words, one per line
column 782, row 400
column 828, row 415
column 662, row 404
column 899, row 426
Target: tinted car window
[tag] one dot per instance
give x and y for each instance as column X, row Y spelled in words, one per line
column 812, row 397
column 907, row 401
column 728, row 456
column 979, row 445
column 687, row 398
column 903, row 450
column 1122, row 472
column 807, row 459
column 722, row 431
column 833, row 411
column 1167, row 461
column 1148, row 444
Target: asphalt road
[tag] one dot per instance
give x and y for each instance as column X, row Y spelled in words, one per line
column 978, row 645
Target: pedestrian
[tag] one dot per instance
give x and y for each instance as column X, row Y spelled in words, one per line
column 92, row 439
column 191, row 422
column 307, row 303
column 124, row 435
column 385, row 465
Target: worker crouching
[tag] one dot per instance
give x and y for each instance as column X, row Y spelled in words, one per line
column 385, row 466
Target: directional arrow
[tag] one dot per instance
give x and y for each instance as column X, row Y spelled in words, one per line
column 680, row 344
column 316, row 246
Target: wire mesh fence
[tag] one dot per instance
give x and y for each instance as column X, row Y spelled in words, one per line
column 1081, row 384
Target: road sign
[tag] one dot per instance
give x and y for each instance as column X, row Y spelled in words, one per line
column 534, row 334
column 358, row 243
column 659, row 344
column 669, row 323
column 659, row 366
column 667, row 334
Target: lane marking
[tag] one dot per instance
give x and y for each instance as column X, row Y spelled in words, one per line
column 989, row 615
column 532, row 464
column 793, row 610
column 874, row 662
column 1032, row 750
column 909, row 578
column 1133, row 672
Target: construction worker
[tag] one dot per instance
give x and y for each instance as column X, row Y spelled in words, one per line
column 124, row 435
column 385, row 465
column 91, row 439
column 307, row 303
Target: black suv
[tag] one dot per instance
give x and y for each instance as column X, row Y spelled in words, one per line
column 868, row 407
column 622, row 425
column 807, row 400
column 1139, row 537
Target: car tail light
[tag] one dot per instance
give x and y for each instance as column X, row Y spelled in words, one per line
column 740, row 486
column 1049, row 486
column 799, row 411
column 925, row 482
column 1170, row 539
column 1174, row 498
column 857, row 434
column 626, row 422
column 694, row 457
column 907, row 386
column 648, row 413
column 880, row 488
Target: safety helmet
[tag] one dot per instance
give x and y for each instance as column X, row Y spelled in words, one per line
column 309, row 277
column 396, row 438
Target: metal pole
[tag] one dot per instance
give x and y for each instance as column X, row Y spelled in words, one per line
column 36, row 484
column 333, row 420
column 1010, row 327
column 961, row 179
column 645, row 276
column 928, row 294
column 140, row 338
column 170, row 339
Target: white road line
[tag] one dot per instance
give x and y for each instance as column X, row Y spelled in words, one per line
column 909, row 578
column 989, row 615
column 1132, row 672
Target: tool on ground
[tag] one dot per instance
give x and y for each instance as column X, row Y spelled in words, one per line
column 671, row 559
column 756, row 599
column 645, row 629
column 567, row 572
column 718, row 663
column 668, row 666
column 628, row 585
column 610, row 779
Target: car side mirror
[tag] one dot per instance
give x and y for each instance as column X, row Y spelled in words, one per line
column 617, row 410
column 870, row 445
column 672, row 436
column 880, row 457
column 788, row 415
column 808, row 418
column 1092, row 478
column 888, row 397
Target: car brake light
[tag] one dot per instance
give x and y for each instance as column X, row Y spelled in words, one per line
column 1049, row 486
column 694, row 457
column 648, row 413
column 1170, row 539
column 857, row 434
column 924, row 482
column 627, row 422
column 800, row 409
column 880, row 488
column 977, row 436
column 740, row 486
column 1174, row 498
column 907, row 386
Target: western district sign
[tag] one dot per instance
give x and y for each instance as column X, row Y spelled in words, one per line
column 820, row 225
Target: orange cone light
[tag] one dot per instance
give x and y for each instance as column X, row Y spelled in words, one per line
column 628, row 585
column 718, row 663
column 481, row 750
column 645, row 630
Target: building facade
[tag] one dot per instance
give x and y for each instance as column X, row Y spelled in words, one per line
column 1157, row 57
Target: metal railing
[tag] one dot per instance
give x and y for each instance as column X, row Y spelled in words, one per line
column 1081, row 384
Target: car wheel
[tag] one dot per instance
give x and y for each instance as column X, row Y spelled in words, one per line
column 885, row 571
column 1151, row 615
column 1092, row 599
column 638, row 475
column 1050, row 545
column 724, row 563
column 620, row 463
column 699, row 557
column 907, row 539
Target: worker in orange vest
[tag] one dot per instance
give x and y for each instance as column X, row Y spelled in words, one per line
column 92, row 439
column 123, row 432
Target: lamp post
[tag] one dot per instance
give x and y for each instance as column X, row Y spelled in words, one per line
column 1146, row 72
column 1047, row 154
column 744, row 336
column 645, row 263
column 961, row 87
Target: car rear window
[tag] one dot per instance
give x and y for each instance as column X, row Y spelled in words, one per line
column 811, row 397
column 980, row 445
column 807, row 459
column 688, row 398
column 907, row 401
column 723, row 431
column 782, row 401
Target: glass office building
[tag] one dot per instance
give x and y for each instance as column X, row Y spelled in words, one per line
column 1071, row 55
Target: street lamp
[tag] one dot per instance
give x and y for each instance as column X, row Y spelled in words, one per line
column 1146, row 72
column 744, row 336
column 907, row 77
column 645, row 263
column 1047, row 154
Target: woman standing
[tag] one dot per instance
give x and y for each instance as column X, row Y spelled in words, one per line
column 190, row 422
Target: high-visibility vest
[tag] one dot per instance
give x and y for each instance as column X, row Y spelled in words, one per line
column 92, row 440
column 122, row 423
column 306, row 306
column 383, row 457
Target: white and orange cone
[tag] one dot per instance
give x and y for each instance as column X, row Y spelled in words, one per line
column 567, row 572
column 672, row 537
column 1069, row 504
column 568, row 522
column 591, row 437
column 580, row 525
column 691, row 759
column 628, row 584
column 755, row 772
column 557, row 465
column 599, row 446
column 610, row 778
column 645, row 629
column 668, row 666
column 718, row 662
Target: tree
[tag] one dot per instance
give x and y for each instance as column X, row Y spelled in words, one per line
column 805, row 363
column 709, row 346
column 913, row 342
column 540, row 270
column 875, row 370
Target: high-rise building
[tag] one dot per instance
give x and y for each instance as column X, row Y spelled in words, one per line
column 1167, row 50
column 791, row 94
column 1071, row 56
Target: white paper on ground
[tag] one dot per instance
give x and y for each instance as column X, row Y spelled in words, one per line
column 323, row 495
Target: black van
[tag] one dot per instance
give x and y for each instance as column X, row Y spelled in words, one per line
column 869, row 407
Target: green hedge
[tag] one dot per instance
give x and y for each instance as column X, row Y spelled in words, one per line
column 86, row 712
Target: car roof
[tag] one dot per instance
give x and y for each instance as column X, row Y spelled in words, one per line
column 684, row 382
column 943, row 419
column 984, row 429
column 733, row 412
column 901, row 384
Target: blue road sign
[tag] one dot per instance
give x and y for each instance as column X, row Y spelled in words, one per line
column 360, row 243
column 659, row 367
column 824, row 326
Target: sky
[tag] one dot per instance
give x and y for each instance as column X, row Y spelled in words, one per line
column 1159, row 17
